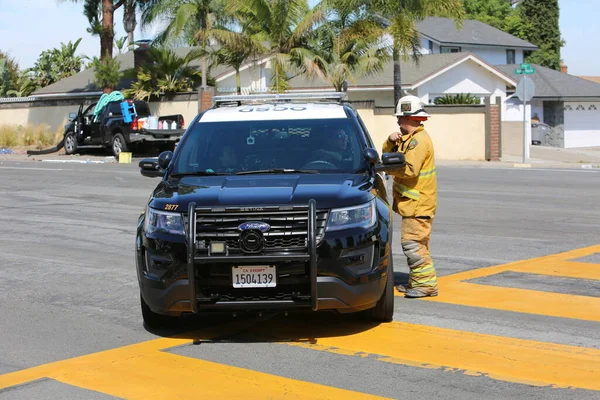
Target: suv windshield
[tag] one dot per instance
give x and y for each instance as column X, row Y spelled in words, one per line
column 328, row 145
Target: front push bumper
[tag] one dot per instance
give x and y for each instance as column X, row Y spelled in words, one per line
column 323, row 292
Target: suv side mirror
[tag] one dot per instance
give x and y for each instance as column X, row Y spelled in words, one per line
column 391, row 161
column 164, row 159
column 149, row 167
column 72, row 116
column 371, row 155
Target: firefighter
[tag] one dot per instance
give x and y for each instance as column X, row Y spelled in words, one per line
column 415, row 195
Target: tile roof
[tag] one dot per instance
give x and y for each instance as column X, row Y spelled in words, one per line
column 444, row 30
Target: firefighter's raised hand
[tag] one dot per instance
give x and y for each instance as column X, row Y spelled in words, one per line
column 394, row 137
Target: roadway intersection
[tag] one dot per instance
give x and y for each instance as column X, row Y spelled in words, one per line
column 517, row 252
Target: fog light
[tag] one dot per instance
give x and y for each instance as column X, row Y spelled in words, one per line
column 217, row 247
column 359, row 261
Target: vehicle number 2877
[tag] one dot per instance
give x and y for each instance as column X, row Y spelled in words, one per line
column 253, row 277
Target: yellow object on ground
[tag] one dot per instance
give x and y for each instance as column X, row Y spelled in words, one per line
column 124, row 158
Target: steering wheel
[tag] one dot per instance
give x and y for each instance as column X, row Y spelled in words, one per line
column 319, row 162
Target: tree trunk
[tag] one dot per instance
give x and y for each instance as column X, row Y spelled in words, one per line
column 203, row 61
column 130, row 22
column 238, row 81
column 397, row 76
column 107, row 34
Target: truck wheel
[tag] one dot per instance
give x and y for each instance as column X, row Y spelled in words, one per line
column 154, row 320
column 384, row 310
column 70, row 143
column 118, row 144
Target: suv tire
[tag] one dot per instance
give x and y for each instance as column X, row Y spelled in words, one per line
column 154, row 320
column 384, row 310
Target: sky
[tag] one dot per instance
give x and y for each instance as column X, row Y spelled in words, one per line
column 28, row 27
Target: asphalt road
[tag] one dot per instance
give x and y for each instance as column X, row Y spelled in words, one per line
column 68, row 291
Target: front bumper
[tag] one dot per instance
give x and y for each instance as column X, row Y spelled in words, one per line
column 334, row 294
column 315, row 279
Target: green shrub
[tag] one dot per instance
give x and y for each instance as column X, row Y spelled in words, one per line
column 460, row 98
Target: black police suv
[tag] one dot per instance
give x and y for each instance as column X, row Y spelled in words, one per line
column 268, row 203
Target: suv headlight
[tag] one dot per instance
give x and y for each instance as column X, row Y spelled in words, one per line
column 163, row 222
column 362, row 216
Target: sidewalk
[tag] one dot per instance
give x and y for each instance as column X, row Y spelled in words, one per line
column 540, row 157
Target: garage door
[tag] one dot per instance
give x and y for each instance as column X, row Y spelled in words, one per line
column 582, row 124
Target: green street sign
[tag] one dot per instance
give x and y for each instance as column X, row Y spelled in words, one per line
column 525, row 66
column 525, row 71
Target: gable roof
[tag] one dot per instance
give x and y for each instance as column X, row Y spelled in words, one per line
column 413, row 75
column 555, row 85
column 83, row 82
column 444, row 31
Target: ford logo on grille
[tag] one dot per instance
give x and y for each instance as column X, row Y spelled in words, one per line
column 254, row 226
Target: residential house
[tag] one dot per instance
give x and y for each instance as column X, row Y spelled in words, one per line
column 570, row 105
column 440, row 35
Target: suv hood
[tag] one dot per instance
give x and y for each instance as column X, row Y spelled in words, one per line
column 329, row 190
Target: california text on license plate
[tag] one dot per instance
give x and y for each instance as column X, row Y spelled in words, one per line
column 254, row 276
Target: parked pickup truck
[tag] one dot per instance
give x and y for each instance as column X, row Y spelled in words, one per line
column 109, row 129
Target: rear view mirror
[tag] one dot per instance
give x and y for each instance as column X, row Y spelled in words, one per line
column 149, row 167
column 72, row 116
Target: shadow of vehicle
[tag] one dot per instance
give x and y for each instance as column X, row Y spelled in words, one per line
column 252, row 327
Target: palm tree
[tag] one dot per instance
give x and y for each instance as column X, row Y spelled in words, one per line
column 100, row 15
column 401, row 17
column 284, row 25
column 189, row 21
column 166, row 73
column 347, row 46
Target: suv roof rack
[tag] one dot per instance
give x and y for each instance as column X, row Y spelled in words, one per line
column 278, row 97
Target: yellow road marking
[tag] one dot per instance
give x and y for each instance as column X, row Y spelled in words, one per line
column 507, row 359
column 143, row 371
column 455, row 290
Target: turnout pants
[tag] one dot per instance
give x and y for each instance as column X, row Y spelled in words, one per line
column 415, row 244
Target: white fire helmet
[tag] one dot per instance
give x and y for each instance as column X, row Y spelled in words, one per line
column 411, row 106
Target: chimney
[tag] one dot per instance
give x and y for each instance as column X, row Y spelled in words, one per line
column 563, row 68
column 140, row 54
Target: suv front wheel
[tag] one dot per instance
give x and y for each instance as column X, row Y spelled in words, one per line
column 154, row 320
column 384, row 310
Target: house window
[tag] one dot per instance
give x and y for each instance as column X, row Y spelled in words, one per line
column 448, row 49
column 510, row 57
column 431, row 47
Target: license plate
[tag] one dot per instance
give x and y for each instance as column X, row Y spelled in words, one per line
column 255, row 276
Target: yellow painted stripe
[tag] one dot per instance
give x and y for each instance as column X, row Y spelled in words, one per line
column 565, row 269
column 518, row 300
column 507, row 359
column 142, row 371
column 454, row 289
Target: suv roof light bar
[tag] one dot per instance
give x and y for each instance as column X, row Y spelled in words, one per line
column 339, row 96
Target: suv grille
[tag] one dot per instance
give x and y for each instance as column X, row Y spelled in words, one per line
column 288, row 229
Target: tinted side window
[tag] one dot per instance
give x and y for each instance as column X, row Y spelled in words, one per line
column 114, row 108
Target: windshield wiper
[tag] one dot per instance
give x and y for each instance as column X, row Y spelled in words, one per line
column 279, row 171
column 198, row 173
